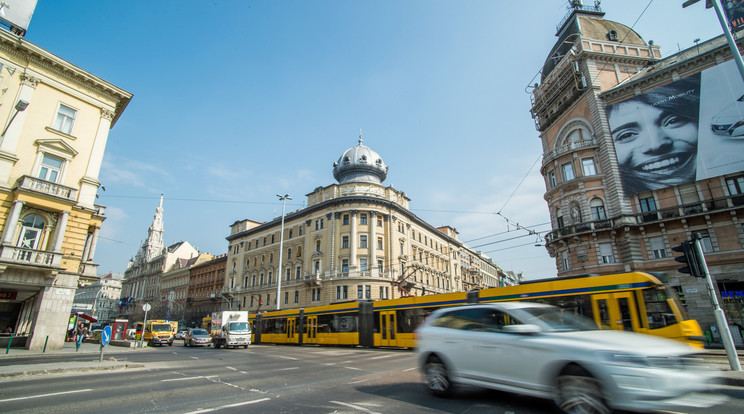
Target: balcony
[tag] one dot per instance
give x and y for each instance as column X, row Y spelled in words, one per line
column 38, row 185
column 30, row 257
column 88, row 269
column 571, row 146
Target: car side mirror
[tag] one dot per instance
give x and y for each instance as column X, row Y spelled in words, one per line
column 526, row 329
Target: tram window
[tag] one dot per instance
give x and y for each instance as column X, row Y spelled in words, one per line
column 343, row 322
column 625, row 314
column 658, row 312
column 409, row 319
column 579, row 304
column 604, row 314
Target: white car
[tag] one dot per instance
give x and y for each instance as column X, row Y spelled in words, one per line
column 543, row 351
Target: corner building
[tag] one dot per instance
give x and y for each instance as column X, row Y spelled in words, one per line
column 619, row 201
column 355, row 240
column 56, row 119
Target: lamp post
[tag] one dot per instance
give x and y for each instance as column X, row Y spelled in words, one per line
column 284, row 198
column 20, row 106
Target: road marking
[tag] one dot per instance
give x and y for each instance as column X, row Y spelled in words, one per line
column 45, row 395
column 194, row 357
column 234, row 369
column 207, row 410
column 383, row 356
column 286, row 357
column 356, row 407
column 409, row 369
column 243, row 372
column 288, row 369
column 354, row 368
column 182, row 379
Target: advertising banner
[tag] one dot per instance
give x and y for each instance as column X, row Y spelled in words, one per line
column 684, row 131
column 734, row 10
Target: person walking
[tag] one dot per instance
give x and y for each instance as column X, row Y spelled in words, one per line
column 80, row 332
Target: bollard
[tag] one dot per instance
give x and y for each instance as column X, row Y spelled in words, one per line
column 10, row 340
column 45, row 344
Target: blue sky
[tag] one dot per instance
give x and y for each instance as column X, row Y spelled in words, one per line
column 237, row 101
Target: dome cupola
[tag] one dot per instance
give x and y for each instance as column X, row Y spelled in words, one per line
column 360, row 164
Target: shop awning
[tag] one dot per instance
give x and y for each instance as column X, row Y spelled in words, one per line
column 86, row 317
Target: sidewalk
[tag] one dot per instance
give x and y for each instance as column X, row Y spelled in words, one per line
column 110, row 362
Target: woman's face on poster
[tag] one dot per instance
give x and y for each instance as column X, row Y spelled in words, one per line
column 653, row 143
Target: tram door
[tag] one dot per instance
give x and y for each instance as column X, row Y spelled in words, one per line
column 388, row 329
column 311, row 330
column 291, row 330
column 616, row 311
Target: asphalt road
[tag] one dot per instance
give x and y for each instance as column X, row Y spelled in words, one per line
column 262, row 379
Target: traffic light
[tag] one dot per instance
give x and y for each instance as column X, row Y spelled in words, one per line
column 690, row 258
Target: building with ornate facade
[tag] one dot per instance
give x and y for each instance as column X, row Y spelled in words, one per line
column 355, row 240
column 639, row 153
column 55, row 119
column 142, row 279
column 206, row 282
column 174, row 288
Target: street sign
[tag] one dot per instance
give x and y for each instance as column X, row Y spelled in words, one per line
column 106, row 336
column 146, row 307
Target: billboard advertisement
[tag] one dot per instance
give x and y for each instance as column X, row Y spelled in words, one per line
column 17, row 13
column 684, row 131
column 734, row 10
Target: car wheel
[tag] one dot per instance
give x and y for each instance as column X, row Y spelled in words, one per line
column 578, row 392
column 436, row 378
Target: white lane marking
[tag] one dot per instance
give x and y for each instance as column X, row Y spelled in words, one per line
column 360, row 381
column 243, row 372
column 45, row 395
column 409, row 369
column 208, row 410
column 182, row 379
column 354, row 368
column 234, row 369
column 383, row 356
column 194, row 357
column 356, row 407
column 288, row 369
column 286, row 357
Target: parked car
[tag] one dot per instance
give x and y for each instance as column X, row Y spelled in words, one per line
column 544, row 351
column 180, row 334
column 197, row 337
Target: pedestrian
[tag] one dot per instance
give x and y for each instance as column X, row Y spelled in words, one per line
column 80, row 332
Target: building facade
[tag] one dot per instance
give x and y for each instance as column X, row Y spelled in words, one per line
column 101, row 298
column 204, row 296
column 143, row 277
column 355, row 240
column 56, row 119
column 623, row 184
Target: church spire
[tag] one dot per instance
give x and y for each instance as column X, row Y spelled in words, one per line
column 154, row 244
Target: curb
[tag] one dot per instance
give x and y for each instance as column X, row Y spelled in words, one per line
column 72, row 369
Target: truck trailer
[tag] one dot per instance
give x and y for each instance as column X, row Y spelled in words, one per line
column 230, row 329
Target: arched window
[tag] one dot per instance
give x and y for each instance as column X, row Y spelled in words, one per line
column 32, row 229
column 598, row 210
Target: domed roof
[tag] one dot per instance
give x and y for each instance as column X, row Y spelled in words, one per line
column 360, row 164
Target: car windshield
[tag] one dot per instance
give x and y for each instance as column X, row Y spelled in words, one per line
column 161, row 328
column 239, row 327
column 198, row 332
column 556, row 319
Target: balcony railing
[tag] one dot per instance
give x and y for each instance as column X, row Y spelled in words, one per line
column 571, row 146
column 88, row 269
column 38, row 185
column 31, row 257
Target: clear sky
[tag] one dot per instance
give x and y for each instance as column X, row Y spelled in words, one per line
column 237, row 101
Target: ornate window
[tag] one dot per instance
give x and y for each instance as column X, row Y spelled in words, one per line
column 32, row 230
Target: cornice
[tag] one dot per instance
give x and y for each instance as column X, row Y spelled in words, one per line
column 31, row 54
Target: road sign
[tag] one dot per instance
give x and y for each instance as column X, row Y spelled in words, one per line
column 106, row 335
column 146, row 307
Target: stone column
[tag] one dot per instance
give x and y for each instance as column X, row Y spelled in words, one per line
column 60, row 233
column 89, row 183
column 10, row 224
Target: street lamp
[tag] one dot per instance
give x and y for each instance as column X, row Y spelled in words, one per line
column 284, row 198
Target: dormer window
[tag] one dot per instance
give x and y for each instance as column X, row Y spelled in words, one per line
column 612, row 35
column 363, row 159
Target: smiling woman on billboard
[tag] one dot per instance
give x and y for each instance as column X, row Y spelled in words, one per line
column 656, row 136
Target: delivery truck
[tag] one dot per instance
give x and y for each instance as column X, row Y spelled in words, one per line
column 230, row 329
